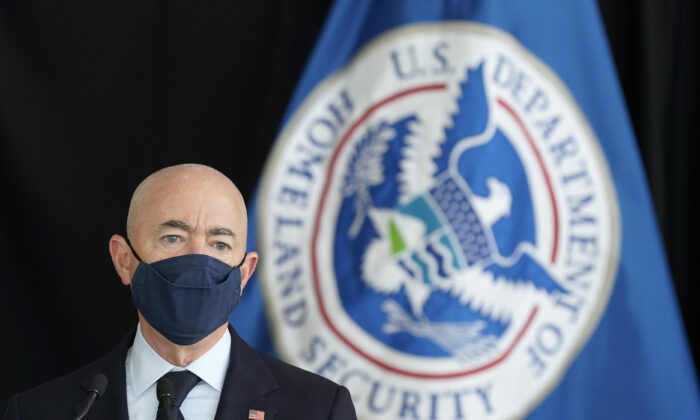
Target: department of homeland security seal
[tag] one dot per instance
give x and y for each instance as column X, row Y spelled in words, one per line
column 438, row 226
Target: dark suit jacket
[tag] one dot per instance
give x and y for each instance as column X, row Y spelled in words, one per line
column 254, row 380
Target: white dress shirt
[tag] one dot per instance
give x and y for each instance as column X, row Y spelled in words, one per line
column 144, row 367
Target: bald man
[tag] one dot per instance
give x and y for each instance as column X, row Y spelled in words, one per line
column 185, row 260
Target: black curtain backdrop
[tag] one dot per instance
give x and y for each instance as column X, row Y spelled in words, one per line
column 94, row 96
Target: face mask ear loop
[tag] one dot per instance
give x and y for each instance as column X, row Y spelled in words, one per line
column 134, row 252
column 241, row 263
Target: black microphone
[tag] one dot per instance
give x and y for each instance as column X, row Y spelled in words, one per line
column 165, row 390
column 97, row 387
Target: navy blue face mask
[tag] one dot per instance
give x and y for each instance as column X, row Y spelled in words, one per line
column 186, row 298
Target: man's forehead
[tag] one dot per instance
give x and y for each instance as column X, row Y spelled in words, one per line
column 193, row 212
column 198, row 198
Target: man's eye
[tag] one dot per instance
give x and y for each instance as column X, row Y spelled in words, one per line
column 221, row 246
column 171, row 239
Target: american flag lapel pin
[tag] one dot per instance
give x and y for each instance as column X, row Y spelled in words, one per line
column 256, row 415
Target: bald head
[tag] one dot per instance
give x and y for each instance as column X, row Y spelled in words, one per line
column 177, row 211
column 189, row 196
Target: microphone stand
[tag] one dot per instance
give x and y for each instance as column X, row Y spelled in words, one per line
column 98, row 385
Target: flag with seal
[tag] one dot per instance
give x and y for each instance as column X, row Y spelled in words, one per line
column 454, row 221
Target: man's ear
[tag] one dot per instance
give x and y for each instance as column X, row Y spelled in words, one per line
column 121, row 258
column 251, row 261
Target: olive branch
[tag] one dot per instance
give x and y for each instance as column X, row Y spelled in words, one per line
column 366, row 170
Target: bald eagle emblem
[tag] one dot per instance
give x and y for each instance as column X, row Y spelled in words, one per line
column 445, row 226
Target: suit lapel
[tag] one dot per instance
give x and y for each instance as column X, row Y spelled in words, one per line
column 247, row 381
column 111, row 405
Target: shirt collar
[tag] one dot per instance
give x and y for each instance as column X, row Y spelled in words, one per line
column 147, row 366
column 211, row 366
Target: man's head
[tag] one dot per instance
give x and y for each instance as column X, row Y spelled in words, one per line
column 197, row 193
column 184, row 209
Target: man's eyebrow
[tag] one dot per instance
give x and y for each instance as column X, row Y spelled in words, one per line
column 177, row 225
column 221, row 231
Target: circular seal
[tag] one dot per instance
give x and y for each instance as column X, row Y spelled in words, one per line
column 439, row 227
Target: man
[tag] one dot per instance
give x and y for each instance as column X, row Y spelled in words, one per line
column 185, row 262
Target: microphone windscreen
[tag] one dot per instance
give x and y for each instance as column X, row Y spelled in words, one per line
column 98, row 383
column 165, row 387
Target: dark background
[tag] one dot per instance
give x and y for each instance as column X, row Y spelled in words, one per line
column 94, row 96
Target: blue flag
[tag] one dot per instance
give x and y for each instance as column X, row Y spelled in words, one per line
column 454, row 221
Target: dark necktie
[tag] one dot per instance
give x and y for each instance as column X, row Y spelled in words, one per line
column 183, row 382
